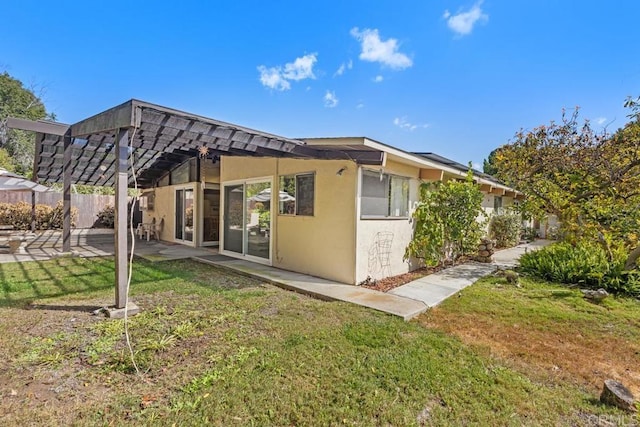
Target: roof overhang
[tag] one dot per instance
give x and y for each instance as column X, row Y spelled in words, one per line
column 432, row 166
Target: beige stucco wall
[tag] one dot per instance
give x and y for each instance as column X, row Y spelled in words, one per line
column 322, row 245
column 165, row 209
column 210, row 172
column 370, row 262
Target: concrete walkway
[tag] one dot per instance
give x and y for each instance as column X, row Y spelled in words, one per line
column 435, row 288
column 406, row 301
column 320, row 288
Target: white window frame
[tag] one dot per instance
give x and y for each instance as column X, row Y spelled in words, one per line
column 389, row 214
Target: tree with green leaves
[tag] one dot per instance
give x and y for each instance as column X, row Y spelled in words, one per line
column 18, row 101
column 589, row 180
column 488, row 165
column 447, row 225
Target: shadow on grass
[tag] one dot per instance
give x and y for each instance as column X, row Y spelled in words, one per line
column 73, row 308
column 24, row 282
column 21, row 283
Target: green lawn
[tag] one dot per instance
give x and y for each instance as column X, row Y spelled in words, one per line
column 222, row 349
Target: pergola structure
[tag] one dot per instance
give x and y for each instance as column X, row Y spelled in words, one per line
column 142, row 141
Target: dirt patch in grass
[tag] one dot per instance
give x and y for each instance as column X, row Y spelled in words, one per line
column 548, row 331
column 389, row 283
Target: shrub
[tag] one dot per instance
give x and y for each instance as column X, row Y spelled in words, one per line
column 107, row 216
column 585, row 264
column 446, row 225
column 18, row 215
column 504, row 228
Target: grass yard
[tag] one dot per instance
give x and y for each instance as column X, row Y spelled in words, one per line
column 220, row 349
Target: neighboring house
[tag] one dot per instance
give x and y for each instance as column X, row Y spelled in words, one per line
column 547, row 228
column 334, row 219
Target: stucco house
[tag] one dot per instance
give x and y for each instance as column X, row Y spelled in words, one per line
column 334, row 219
column 337, row 208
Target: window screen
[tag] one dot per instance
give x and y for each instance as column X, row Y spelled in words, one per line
column 384, row 195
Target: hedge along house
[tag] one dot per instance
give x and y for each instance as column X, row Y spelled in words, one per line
column 338, row 208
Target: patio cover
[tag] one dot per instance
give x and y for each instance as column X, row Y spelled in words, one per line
column 101, row 150
column 160, row 138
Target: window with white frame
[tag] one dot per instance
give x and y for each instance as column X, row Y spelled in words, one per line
column 297, row 194
column 384, row 195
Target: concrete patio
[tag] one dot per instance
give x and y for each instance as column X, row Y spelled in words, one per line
column 96, row 242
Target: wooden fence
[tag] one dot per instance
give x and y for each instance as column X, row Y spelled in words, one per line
column 88, row 205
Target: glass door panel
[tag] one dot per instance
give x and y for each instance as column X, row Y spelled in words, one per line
column 234, row 218
column 184, row 215
column 188, row 215
column 211, row 216
column 258, row 219
column 179, row 233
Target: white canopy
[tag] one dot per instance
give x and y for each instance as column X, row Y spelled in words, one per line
column 12, row 182
column 265, row 196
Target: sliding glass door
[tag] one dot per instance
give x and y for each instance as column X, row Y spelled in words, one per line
column 247, row 219
column 184, row 215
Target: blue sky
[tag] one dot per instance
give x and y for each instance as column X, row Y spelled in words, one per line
column 458, row 78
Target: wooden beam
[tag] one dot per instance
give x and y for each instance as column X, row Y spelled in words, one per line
column 114, row 119
column 121, row 184
column 508, row 193
column 40, row 126
column 431, row 174
column 497, row 191
column 66, row 193
column 520, row 196
column 486, row 188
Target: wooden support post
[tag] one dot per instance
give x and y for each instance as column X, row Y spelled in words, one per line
column 33, row 211
column 34, row 178
column 66, row 193
column 121, row 183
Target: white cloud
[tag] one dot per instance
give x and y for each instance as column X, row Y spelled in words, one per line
column 462, row 23
column 402, row 123
column 376, row 50
column 343, row 67
column 279, row 78
column 330, row 99
column 301, row 68
column 378, row 79
column 360, row 105
column 272, row 78
column 601, row 120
